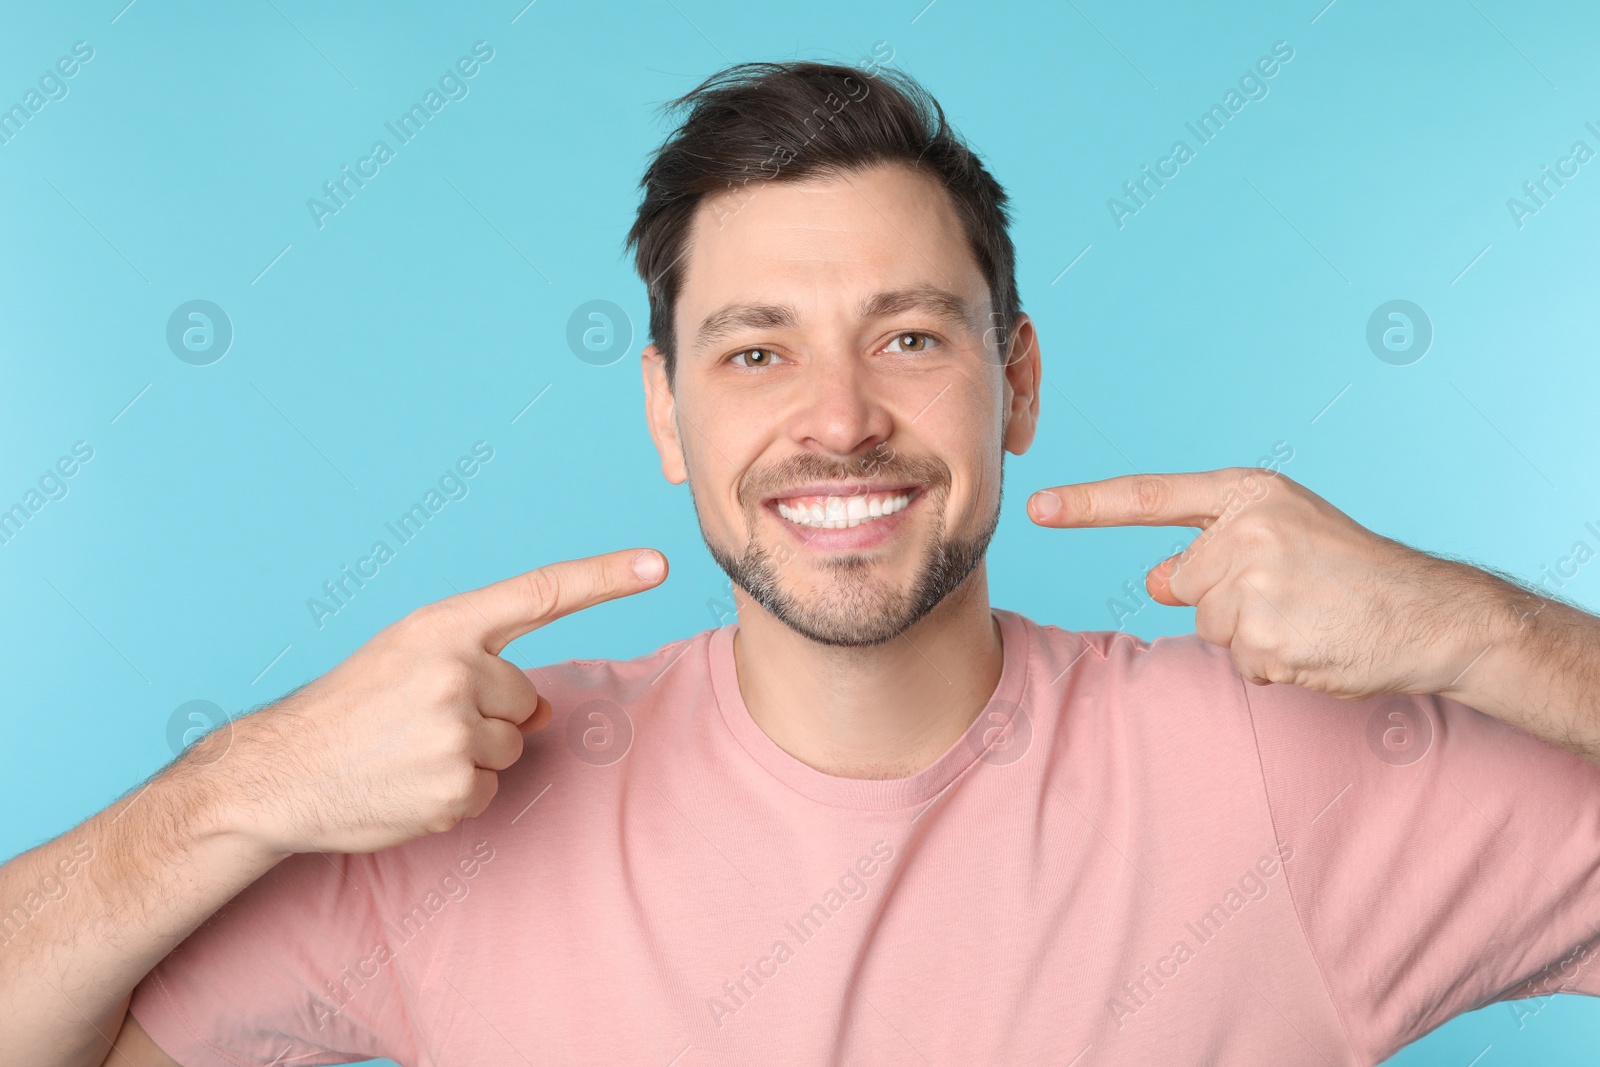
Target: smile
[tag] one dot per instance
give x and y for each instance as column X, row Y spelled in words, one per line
column 842, row 512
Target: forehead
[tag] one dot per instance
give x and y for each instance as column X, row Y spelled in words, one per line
column 824, row 243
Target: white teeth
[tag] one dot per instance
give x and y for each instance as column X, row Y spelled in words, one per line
column 839, row 513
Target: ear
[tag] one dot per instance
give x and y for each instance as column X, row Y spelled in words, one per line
column 1023, row 370
column 659, row 413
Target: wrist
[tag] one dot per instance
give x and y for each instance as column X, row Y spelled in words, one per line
column 1498, row 623
column 1486, row 619
column 1537, row 668
column 218, row 801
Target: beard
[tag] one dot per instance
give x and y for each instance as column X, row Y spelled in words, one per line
column 857, row 609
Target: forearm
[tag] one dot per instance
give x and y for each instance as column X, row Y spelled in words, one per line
column 88, row 914
column 1531, row 662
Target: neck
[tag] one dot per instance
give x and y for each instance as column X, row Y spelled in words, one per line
column 884, row 711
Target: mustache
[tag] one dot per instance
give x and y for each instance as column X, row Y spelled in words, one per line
column 880, row 463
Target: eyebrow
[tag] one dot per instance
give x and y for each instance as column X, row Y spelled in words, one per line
column 727, row 320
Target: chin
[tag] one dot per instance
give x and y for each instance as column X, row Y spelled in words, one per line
column 853, row 607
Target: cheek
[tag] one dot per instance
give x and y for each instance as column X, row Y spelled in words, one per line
column 966, row 436
column 718, row 449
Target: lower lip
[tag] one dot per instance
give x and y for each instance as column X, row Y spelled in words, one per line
column 869, row 534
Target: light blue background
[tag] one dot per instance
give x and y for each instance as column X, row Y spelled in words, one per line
column 1224, row 317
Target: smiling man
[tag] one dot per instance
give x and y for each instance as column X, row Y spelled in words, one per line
column 878, row 820
column 840, row 406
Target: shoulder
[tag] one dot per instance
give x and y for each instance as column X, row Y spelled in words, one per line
column 603, row 709
column 624, row 681
column 1113, row 662
column 651, row 706
column 1174, row 702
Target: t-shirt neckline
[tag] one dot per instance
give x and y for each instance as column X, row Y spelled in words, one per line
column 861, row 793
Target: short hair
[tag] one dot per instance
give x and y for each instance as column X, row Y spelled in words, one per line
column 791, row 121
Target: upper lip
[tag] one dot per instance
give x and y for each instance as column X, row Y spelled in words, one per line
column 840, row 489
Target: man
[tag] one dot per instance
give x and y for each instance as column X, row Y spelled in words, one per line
column 877, row 820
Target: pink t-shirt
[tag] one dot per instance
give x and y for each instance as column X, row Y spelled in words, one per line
column 1133, row 856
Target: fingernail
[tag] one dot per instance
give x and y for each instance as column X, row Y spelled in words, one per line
column 1043, row 505
column 649, row 566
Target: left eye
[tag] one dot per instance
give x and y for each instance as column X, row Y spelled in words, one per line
column 755, row 357
column 911, row 341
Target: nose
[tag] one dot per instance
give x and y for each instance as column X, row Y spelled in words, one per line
column 840, row 411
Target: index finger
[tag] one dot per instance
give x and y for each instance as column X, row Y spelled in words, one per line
column 499, row 613
column 1187, row 499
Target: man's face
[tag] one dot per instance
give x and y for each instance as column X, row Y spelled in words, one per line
column 841, row 403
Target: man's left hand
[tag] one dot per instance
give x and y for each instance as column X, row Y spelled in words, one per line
column 1296, row 590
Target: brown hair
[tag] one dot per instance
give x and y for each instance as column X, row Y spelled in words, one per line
column 791, row 121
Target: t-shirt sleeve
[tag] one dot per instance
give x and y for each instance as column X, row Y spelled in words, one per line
column 1442, row 859
column 299, row 968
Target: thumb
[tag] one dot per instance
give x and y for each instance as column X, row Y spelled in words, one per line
column 540, row 718
column 1158, row 583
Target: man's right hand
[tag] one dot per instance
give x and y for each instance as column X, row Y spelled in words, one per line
column 402, row 739
column 405, row 737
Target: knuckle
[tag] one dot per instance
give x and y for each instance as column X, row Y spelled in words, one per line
column 486, row 788
column 401, row 632
column 459, row 784
column 502, row 745
column 1149, row 496
column 430, row 623
column 1262, row 635
column 453, row 684
column 452, row 739
column 1254, row 534
column 1244, row 481
column 1263, row 581
column 424, row 617
column 1077, row 502
column 543, row 590
column 1252, row 633
column 515, row 743
column 1249, row 664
